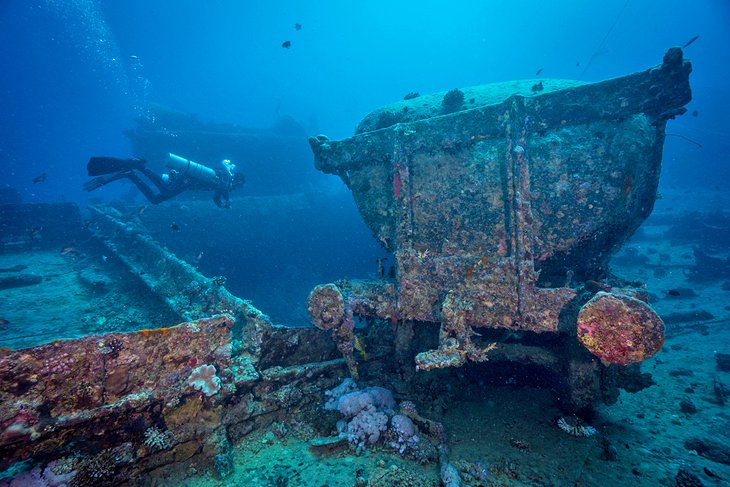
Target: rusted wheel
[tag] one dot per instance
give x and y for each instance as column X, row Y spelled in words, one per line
column 619, row 329
column 326, row 307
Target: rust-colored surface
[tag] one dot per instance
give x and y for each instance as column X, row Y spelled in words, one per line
column 326, row 305
column 498, row 211
column 57, row 386
column 620, row 329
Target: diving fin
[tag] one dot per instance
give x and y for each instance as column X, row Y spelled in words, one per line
column 100, row 181
column 107, row 165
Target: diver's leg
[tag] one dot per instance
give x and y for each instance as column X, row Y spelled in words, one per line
column 155, row 178
column 166, row 192
column 146, row 190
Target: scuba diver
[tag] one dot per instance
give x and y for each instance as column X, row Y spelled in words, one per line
column 184, row 174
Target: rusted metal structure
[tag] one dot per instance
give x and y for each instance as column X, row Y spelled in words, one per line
column 503, row 205
column 108, row 409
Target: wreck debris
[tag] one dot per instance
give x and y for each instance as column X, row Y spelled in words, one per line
column 434, row 429
column 455, row 344
column 449, row 474
column 64, row 384
column 708, row 267
column 183, row 289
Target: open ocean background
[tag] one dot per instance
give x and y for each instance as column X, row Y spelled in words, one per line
column 76, row 73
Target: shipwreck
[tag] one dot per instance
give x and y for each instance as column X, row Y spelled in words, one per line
column 502, row 205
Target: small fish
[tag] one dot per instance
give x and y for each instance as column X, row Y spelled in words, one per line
column 39, row 179
column 538, row 72
column 175, row 227
column 104, row 258
column 141, row 210
column 360, row 346
column 69, row 249
column 577, row 64
column 3, row 321
column 133, row 57
column 537, row 87
column 198, row 257
column 674, row 292
column 695, row 113
column 297, row 26
column 690, row 41
column 35, row 233
column 286, row 44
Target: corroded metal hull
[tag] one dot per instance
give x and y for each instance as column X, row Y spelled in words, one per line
column 500, row 209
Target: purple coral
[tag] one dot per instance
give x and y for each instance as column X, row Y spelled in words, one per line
column 366, row 412
column 403, row 433
column 334, row 395
column 366, row 427
column 204, row 379
column 382, row 398
column 352, row 403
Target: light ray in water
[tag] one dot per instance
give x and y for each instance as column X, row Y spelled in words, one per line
column 90, row 34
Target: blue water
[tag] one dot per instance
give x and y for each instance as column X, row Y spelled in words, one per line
column 76, row 72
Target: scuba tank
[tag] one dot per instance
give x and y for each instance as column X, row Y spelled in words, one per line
column 191, row 169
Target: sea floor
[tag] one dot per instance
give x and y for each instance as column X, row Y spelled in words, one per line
column 79, row 293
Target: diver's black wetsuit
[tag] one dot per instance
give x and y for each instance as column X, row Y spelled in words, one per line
column 166, row 188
